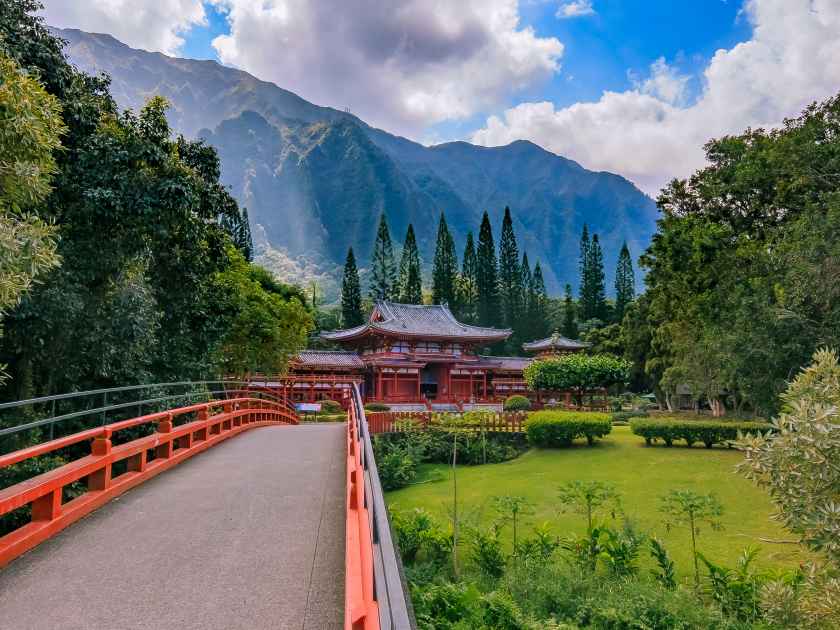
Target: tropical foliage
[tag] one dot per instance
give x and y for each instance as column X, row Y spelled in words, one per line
column 577, row 372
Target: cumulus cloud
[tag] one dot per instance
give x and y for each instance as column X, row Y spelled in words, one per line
column 575, row 8
column 148, row 24
column 415, row 64
column 649, row 134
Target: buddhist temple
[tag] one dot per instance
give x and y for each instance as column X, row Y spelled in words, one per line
column 418, row 356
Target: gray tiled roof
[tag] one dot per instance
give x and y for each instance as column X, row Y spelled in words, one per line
column 329, row 358
column 555, row 342
column 507, row 363
column 415, row 320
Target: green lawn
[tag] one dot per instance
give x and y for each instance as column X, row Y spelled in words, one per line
column 642, row 475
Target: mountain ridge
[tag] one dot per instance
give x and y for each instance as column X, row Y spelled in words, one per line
column 315, row 178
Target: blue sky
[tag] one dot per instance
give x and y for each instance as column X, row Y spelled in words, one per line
column 635, row 87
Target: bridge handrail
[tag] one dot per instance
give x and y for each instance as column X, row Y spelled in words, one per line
column 170, row 445
column 110, row 390
column 376, row 595
column 109, row 429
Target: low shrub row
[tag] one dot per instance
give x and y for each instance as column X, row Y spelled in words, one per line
column 709, row 432
column 399, row 454
column 553, row 429
column 623, row 417
column 375, row 406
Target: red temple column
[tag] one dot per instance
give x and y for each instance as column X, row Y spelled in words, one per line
column 418, row 384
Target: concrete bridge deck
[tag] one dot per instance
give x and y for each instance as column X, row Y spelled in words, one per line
column 249, row 534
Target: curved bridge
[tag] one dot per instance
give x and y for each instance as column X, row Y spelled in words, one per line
column 282, row 527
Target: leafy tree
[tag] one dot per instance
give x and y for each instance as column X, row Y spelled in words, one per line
column 584, row 285
column 510, row 276
column 263, row 330
column 569, row 329
column 351, row 293
column 739, row 273
column 587, row 497
column 513, row 508
column 445, row 266
column 580, row 373
column 606, row 340
column 30, row 131
column 625, row 282
column 144, row 226
column 689, row 509
column 383, row 269
column 799, row 463
column 468, row 283
column 410, row 290
column 487, row 275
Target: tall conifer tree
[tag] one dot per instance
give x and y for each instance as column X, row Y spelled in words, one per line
column 510, row 276
column 570, row 328
column 410, row 285
column 540, row 309
column 598, row 285
column 445, row 267
column 383, row 268
column 468, row 283
column 528, row 327
column 625, row 282
column 351, row 294
column 585, row 300
column 487, row 275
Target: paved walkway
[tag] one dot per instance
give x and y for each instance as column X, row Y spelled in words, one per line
column 249, row 534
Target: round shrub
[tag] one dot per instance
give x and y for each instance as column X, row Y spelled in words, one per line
column 331, row 407
column 553, row 429
column 517, row 402
column 375, row 406
column 623, row 417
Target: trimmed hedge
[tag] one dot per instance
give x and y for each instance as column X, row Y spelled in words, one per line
column 375, row 406
column 517, row 402
column 626, row 416
column 554, row 429
column 709, row 432
column 331, row 407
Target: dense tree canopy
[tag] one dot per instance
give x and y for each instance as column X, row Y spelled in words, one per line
column 742, row 273
column 145, row 230
column 578, row 372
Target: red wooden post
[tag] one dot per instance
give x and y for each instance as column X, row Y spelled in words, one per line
column 47, row 507
column 164, row 451
column 101, row 446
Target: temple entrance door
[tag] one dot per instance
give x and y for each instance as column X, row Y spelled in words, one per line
column 429, row 382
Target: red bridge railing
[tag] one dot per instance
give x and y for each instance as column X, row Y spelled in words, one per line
column 376, row 595
column 205, row 424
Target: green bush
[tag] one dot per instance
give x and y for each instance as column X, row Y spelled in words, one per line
column 709, row 432
column 553, row 429
column 626, row 416
column 517, row 403
column 331, row 407
column 434, row 446
column 375, row 406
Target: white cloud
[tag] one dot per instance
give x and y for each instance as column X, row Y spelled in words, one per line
column 417, row 63
column 157, row 25
column 575, row 8
column 650, row 134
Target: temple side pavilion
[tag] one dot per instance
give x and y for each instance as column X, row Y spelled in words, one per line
column 410, row 355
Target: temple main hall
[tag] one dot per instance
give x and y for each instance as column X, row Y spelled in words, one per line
column 419, row 356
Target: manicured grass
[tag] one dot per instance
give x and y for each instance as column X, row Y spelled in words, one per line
column 642, row 475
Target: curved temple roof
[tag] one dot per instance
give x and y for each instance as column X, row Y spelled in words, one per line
column 555, row 342
column 417, row 320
